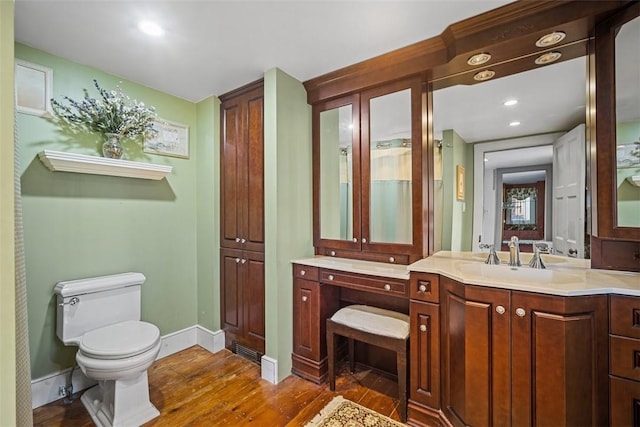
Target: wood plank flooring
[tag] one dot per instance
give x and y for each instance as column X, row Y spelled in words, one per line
column 197, row 388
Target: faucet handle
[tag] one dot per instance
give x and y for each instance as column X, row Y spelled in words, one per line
column 493, row 256
column 536, row 259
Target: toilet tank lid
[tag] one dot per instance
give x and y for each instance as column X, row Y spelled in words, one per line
column 97, row 284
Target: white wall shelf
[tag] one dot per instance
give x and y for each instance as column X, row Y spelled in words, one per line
column 80, row 163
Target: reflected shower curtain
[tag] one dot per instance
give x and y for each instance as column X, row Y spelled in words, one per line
column 24, row 413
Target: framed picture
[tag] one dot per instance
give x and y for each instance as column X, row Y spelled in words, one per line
column 628, row 155
column 459, row 182
column 33, row 88
column 172, row 139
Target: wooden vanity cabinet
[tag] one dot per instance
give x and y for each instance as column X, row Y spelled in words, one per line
column 522, row 359
column 624, row 324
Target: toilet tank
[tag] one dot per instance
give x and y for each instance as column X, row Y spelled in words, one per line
column 94, row 302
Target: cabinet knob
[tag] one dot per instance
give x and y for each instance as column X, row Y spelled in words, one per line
column 387, row 287
column 303, row 272
column 237, row 240
column 364, row 240
column 392, row 259
column 520, row 312
column 243, row 260
column 423, row 328
column 500, row 309
column 422, row 288
column 332, row 253
column 355, row 240
column 304, row 298
column 243, row 240
column 237, row 260
column 331, row 277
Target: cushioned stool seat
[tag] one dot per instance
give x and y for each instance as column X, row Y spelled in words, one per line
column 376, row 326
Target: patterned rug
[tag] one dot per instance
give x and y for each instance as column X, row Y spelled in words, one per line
column 341, row 412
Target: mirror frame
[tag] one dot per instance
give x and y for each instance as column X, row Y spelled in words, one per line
column 612, row 247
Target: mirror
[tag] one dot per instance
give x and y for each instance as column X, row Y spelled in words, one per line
column 627, row 66
column 539, row 141
column 336, row 179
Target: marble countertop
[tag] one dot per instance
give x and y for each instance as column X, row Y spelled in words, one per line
column 563, row 276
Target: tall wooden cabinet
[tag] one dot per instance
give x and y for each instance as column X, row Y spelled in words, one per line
column 242, row 220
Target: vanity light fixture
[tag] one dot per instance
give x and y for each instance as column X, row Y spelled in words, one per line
column 516, row 123
column 548, row 58
column 551, row 39
column 150, row 28
column 484, row 75
column 510, row 102
column 479, row 59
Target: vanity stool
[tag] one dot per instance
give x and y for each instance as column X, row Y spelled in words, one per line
column 376, row 326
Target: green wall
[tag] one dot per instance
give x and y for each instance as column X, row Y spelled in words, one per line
column 288, row 205
column 7, row 260
column 79, row 225
column 457, row 215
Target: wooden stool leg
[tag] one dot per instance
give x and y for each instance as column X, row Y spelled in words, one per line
column 402, row 384
column 352, row 355
column 331, row 356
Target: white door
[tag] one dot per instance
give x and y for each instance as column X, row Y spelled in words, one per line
column 569, row 193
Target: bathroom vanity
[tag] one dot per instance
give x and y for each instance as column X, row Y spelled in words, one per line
column 489, row 344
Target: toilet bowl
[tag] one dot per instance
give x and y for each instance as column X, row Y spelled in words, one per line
column 102, row 317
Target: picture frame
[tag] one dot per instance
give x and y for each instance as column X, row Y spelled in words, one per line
column 33, row 85
column 628, row 155
column 459, row 182
column 172, row 140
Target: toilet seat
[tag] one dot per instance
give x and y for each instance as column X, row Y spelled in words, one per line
column 120, row 340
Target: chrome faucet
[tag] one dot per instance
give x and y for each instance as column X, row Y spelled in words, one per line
column 514, row 252
column 493, row 256
column 536, row 259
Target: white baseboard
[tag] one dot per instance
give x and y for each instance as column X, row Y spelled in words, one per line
column 269, row 369
column 45, row 389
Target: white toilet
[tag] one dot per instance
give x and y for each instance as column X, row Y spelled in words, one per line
column 101, row 315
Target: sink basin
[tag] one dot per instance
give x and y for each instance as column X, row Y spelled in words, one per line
column 524, row 257
column 504, row 273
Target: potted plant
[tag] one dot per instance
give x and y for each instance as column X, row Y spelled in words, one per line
column 113, row 115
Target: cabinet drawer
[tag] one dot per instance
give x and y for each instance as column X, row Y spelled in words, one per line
column 625, row 357
column 305, row 272
column 381, row 285
column 625, row 402
column 624, row 314
column 425, row 287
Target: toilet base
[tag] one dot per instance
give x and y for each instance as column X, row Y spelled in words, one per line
column 120, row 403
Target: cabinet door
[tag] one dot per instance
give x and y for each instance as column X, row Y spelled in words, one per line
column 424, row 382
column 232, row 172
column 559, row 359
column 253, row 230
column 253, row 331
column 306, row 319
column 475, row 354
column 231, row 294
column 625, row 402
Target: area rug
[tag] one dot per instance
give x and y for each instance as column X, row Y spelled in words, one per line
column 341, row 412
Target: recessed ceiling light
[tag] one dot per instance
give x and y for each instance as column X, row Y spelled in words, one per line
column 514, row 124
column 484, row 75
column 551, row 39
column 150, row 28
column 510, row 102
column 547, row 58
column 479, row 59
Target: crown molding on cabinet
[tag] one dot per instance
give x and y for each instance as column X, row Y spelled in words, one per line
column 58, row 161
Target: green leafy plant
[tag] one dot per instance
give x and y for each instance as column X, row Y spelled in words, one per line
column 113, row 112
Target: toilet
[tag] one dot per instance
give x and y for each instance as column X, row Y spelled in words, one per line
column 101, row 315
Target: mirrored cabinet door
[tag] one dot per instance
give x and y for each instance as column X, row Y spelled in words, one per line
column 336, row 148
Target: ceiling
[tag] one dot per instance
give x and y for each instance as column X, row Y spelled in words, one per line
column 213, row 46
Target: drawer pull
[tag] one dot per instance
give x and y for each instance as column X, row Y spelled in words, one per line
column 332, row 253
column 237, row 240
column 387, row 287
column 422, row 288
column 423, row 328
column 237, row 260
column 243, row 261
column 364, row 240
column 243, row 240
column 520, row 312
column 303, row 272
column 331, row 277
column 392, row 259
column 304, row 298
column 355, row 240
column 500, row 309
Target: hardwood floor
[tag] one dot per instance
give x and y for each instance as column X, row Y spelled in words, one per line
column 197, row 388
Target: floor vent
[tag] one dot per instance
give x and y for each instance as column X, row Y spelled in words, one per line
column 247, row 353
